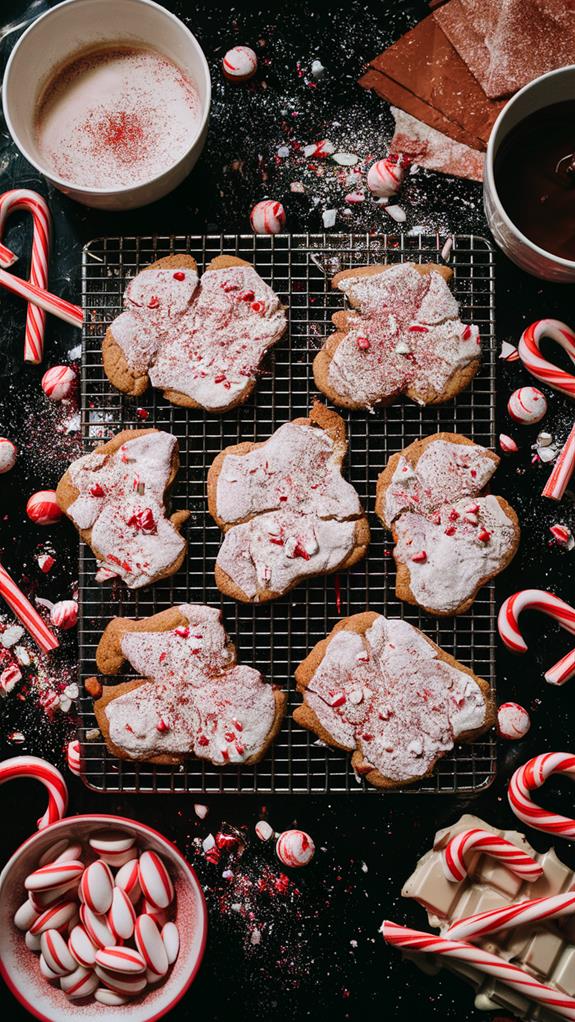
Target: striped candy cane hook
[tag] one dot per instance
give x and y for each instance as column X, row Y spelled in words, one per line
column 50, row 777
column 530, row 353
column 546, row 603
column 23, row 198
column 533, row 775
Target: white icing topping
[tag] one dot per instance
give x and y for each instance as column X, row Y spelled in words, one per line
column 121, row 499
column 449, row 538
column 415, row 339
column 387, row 695
column 204, row 339
column 198, row 699
column 292, row 513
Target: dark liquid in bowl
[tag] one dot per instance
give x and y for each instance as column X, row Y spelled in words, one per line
column 535, row 178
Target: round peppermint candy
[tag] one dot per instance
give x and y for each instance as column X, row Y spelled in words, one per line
column 295, row 848
column 64, row 614
column 268, row 217
column 527, row 405
column 43, row 509
column 513, row 721
column 59, row 382
column 385, row 177
column 239, row 64
column 8, row 455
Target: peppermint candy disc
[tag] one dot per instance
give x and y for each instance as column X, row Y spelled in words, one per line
column 8, row 455
column 56, row 954
column 71, row 852
column 128, row 878
column 239, row 64
column 42, row 900
column 268, row 217
column 80, row 983
column 111, row 842
column 121, row 983
column 54, row 918
column 159, row 915
column 96, row 927
column 385, row 177
column 97, row 887
column 33, row 942
column 59, row 382
column 171, row 939
column 122, row 915
column 121, row 959
column 64, row 614
column 110, row 998
column 54, row 851
column 527, row 405
column 151, row 945
column 155, row 881
column 295, row 848
column 25, row 916
column 42, row 508
column 81, row 948
column 513, row 721
column 54, row 875
column 47, row 971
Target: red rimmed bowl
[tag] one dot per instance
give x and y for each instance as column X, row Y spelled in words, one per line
column 19, row 966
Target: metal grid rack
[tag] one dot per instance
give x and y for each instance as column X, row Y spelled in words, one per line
column 275, row 637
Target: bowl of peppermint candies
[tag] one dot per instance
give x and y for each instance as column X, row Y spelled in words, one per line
column 98, row 914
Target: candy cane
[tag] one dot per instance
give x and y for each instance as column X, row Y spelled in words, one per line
column 562, row 671
column 511, row 975
column 539, row 367
column 22, row 198
column 482, row 924
column 24, row 610
column 562, row 470
column 516, row 860
column 7, row 258
column 533, row 775
column 43, row 299
column 531, row 599
column 31, row 766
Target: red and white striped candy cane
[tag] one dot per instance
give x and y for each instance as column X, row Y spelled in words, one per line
column 562, row 470
column 483, row 924
column 24, row 610
column 532, row 776
column 531, row 599
column 478, row 840
column 491, row 965
column 7, row 258
column 43, row 299
column 51, row 778
column 562, row 671
column 23, row 198
column 532, row 359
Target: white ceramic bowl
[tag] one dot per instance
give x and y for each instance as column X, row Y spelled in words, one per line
column 81, row 24
column 554, row 87
column 19, row 966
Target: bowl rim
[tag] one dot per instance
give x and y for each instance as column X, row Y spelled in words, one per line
column 490, row 175
column 116, row 821
column 66, row 185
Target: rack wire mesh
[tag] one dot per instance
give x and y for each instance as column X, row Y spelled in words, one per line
column 275, row 637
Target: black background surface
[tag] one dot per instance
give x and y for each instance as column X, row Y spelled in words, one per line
column 320, row 955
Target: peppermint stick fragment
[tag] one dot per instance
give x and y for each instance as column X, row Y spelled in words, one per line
column 24, row 610
column 491, row 965
column 562, row 671
column 562, row 470
column 484, row 842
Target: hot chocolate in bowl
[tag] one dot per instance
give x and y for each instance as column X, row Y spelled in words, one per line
column 529, row 189
column 117, row 112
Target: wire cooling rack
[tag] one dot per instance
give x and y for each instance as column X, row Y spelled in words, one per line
column 276, row 636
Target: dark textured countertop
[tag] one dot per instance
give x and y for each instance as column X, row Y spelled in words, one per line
column 319, row 954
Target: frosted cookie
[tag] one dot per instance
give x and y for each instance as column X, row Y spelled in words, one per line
column 285, row 508
column 383, row 691
column 403, row 335
column 201, row 341
column 192, row 699
column 116, row 498
column 450, row 537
